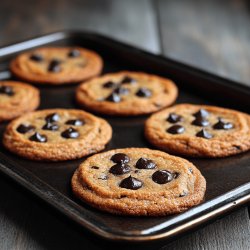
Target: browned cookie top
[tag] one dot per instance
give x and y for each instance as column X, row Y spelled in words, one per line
column 199, row 130
column 126, row 93
column 57, row 134
column 57, row 65
column 17, row 98
column 139, row 181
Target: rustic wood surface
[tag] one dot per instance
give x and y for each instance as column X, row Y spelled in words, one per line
column 212, row 35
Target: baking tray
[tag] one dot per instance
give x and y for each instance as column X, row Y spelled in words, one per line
column 228, row 185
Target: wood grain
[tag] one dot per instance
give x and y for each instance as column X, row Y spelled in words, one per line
column 212, row 35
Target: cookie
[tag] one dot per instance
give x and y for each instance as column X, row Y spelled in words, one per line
column 17, row 98
column 57, row 65
column 199, row 131
column 139, row 182
column 126, row 93
column 57, row 135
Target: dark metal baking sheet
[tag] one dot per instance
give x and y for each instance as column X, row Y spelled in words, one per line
column 228, row 179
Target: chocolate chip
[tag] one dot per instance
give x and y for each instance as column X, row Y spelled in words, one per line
column 223, row 125
column 127, row 80
column 113, row 97
column 95, row 167
column 75, row 122
column 200, row 121
column 38, row 137
column 50, row 126
column 121, row 91
column 131, row 183
column 109, row 85
column 120, row 158
column 201, row 113
column 176, row 175
column 137, row 171
column 70, row 133
column 176, row 129
column 54, row 117
column 162, row 176
column 143, row 92
column 204, row 134
column 237, row 147
column 54, row 66
column 23, row 129
column 174, row 118
column 119, row 169
column 36, row 57
column 144, row 163
column 74, row 53
column 7, row 90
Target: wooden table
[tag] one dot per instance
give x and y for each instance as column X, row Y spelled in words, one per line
column 212, row 35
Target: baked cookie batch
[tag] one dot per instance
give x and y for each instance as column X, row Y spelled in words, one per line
column 129, row 181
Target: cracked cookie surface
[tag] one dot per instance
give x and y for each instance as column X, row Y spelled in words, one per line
column 17, row 98
column 57, row 134
column 126, row 93
column 138, row 181
column 199, row 131
column 57, row 65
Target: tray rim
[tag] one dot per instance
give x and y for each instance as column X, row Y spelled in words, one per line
column 242, row 191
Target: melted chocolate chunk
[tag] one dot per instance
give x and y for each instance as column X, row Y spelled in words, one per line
column 204, row 134
column 75, row 122
column 174, row 118
column 128, row 80
column 50, row 126
column 121, row 91
column 176, row 129
column 131, row 183
column 143, row 92
column 95, row 167
column 52, row 118
column 200, row 121
column 36, row 57
column 109, row 85
column 74, row 53
column 54, row 66
column 119, row 169
column 23, row 129
column 120, row 158
column 70, row 133
column 144, row 163
column 38, row 137
column 201, row 113
column 7, row 90
column 113, row 97
column 223, row 125
column 162, row 176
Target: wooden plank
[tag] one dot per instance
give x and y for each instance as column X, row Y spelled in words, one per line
column 130, row 21
column 231, row 232
column 212, row 35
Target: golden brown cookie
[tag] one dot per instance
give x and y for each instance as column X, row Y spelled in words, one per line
column 126, row 93
column 17, row 98
column 57, row 135
column 57, row 65
column 138, row 181
column 199, row 131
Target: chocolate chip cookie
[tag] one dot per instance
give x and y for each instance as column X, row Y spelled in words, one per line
column 57, row 65
column 126, row 93
column 57, row 135
column 138, row 181
column 17, row 98
column 199, row 131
